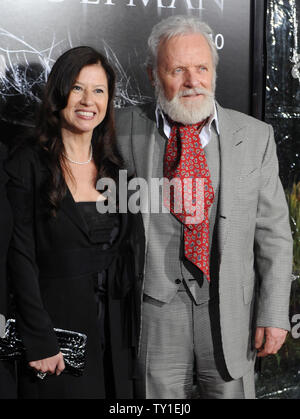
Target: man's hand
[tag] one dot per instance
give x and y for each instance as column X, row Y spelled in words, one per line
column 268, row 340
column 54, row 364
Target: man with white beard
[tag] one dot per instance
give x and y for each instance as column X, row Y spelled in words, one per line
column 215, row 292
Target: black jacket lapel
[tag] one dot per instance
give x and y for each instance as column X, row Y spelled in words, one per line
column 68, row 205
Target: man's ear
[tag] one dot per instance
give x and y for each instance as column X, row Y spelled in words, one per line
column 150, row 75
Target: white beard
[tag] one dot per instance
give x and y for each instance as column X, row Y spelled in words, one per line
column 187, row 113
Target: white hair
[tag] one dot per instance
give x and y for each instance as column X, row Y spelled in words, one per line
column 176, row 26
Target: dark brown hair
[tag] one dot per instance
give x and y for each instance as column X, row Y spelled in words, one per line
column 48, row 132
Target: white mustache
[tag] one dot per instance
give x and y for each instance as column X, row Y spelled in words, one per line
column 195, row 91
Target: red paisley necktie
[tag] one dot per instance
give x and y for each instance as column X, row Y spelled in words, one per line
column 190, row 163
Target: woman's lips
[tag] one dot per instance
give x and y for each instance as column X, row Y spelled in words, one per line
column 85, row 114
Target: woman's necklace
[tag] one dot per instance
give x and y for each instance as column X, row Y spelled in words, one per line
column 80, row 162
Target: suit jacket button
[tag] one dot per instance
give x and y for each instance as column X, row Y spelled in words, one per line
column 177, row 281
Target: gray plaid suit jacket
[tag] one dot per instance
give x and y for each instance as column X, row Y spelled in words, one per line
column 255, row 242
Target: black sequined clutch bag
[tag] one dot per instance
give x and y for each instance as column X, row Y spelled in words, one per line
column 72, row 346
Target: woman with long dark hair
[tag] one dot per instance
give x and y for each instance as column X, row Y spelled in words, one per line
column 72, row 267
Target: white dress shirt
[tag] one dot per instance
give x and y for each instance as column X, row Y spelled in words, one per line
column 205, row 132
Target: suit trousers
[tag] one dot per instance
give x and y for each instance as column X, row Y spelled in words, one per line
column 180, row 357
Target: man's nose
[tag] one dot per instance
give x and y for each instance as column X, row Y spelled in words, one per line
column 192, row 79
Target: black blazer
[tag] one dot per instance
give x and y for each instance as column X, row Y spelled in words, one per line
column 5, row 234
column 52, row 264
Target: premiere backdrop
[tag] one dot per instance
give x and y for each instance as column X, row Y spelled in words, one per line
column 280, row 375
column 33, row 33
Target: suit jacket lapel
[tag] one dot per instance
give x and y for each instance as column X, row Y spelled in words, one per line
column 143, row 140
column 68, row 205
column 232, row 149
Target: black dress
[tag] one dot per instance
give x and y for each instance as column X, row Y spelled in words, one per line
column 80, row 271
column 104, row 230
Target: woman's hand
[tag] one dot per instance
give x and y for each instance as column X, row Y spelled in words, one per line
column 53, row 365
